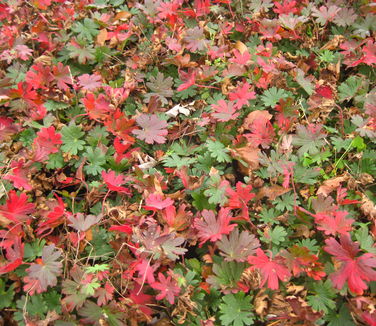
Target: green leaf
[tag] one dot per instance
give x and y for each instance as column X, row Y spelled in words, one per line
column 33, row 249
column 358, row 143
column 96, row 268
column 269, row 216
column 305, row 83
column 6, row 295
column 174, row 160
column 215, row 193
column 53, row 300
column 100, row 246
column 96, row 159
column 97, row 135
column 348, row 89
column 82, row 54
column 35, row 305
column 365, row 239
column 311, row 244
column 93, row 313
column 71, row 139
column 200, row 201
column 55, row 106
column 327, row 56
column 171, row 248
column 86, row 29
column 17, row 72
column 277, row 235
column 286, row 202
column 55, row 161
column 236, row 310
column 305, row 175
column 272, row 96
column 218, row 151
column 89, row 288
column 27, row 136
column 309, row 139
column 340, row 143
column 342, row 318
column 226, row 274
column 322, row 299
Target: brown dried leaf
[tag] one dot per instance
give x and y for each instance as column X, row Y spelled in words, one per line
column 51, row 317
column 333, row 43
column 122, row 15
column 331, row 184
column 296, row 289
column 260, row 114
column 4, row 221
column 248, row 154
column 302, row 311
column 368, row 207
column 261, row 303
column 271, row 192
column 241, row 47
column 102, row 37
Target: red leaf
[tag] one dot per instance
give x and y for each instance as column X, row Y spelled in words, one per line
column 47, row 138
column 98, row 108
column 62, row 76
column 153, row 129
column 211, row 228
column 334, row 222
column 262, row 133
column 324, row 91
column 39, row 76
column 47, row 269
column 146, row 270
column 121, row 228
column 54, row 217
column 240, row 58
column 242, row 95
column 114, row 182
column 104, row 294
column 14, row 255
column 286, row 7
column 202, row 7
column 120, row 126
column 224, row 111
column 341, row 200
column 369, row 52
column 354, row 270
column 240, row 198
column 188, row 78
column 23, row 52
column 17, row 209
column 168, row 287
column 177, row 220
column 141, row 300
column 156, row 202
column 90, row 82
column 121, row 147
column 7, row 128
column 18, row 175
column 300, row 259
column 271, row 270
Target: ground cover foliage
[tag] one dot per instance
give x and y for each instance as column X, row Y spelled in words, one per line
column 206, row 162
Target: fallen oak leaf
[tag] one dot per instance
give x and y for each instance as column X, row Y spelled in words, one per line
column 256, row 115
column 271, row 192
column 368, row 208
column 331, row 184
